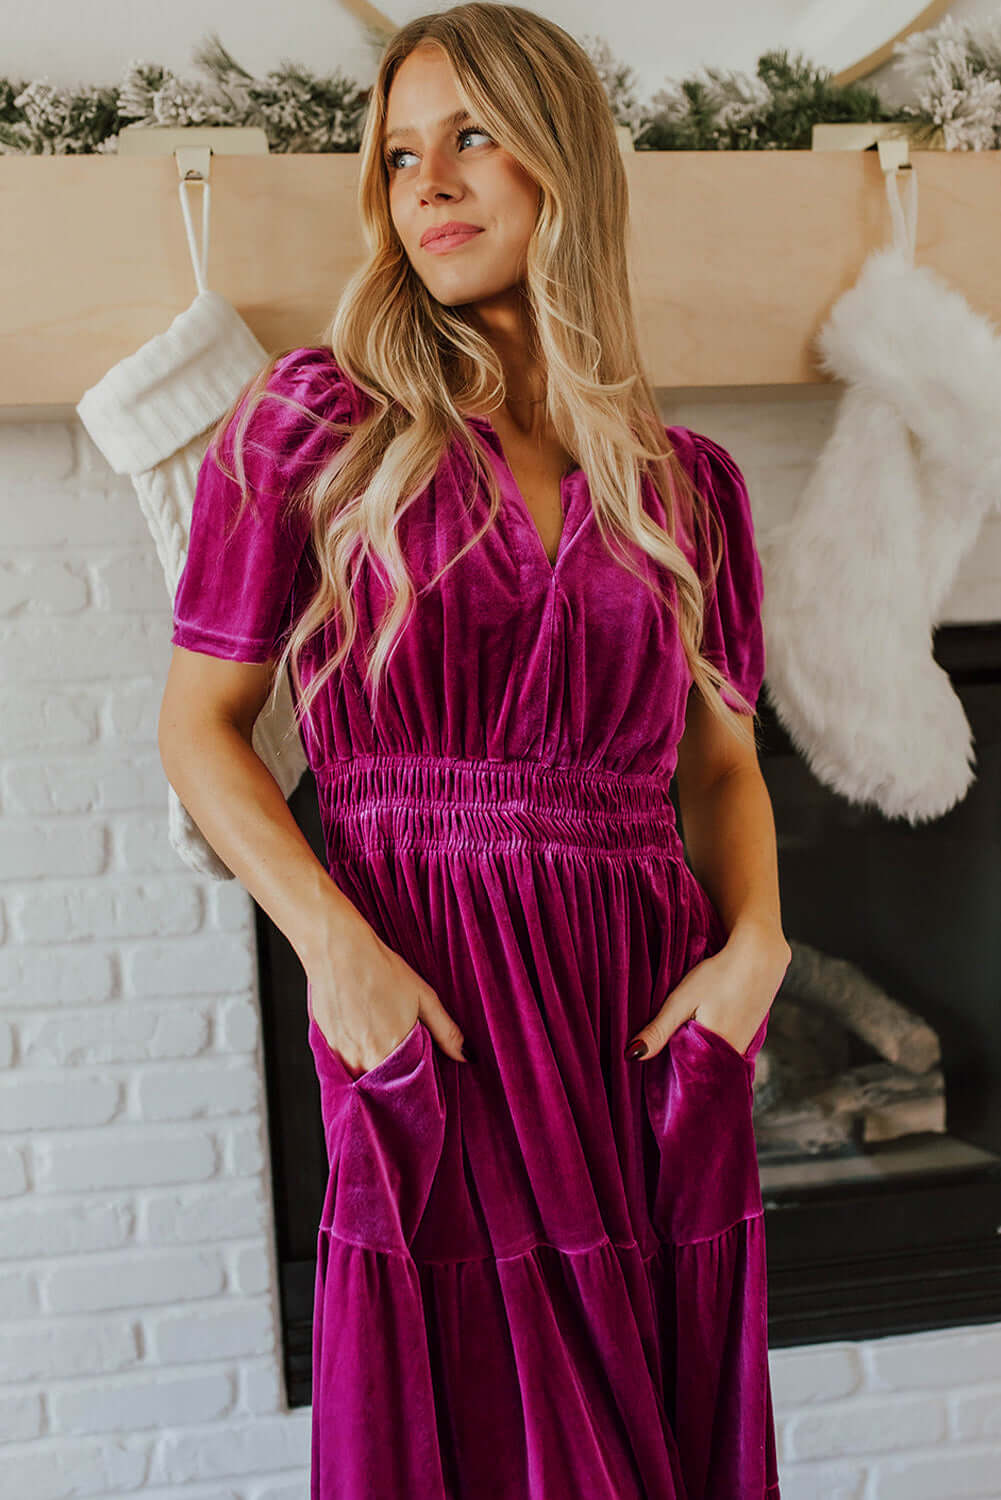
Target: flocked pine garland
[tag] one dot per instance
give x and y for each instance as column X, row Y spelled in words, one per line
column 955, row 67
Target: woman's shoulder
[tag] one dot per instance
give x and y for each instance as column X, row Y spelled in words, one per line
column 716, row 475
column 723, row 491
column 698, row 452
column 310, row 374
column 734, row 637
column 287, row 428
column 682, row 440
column 235, row 594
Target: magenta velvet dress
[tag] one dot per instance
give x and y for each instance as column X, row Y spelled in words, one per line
column 540, row 1275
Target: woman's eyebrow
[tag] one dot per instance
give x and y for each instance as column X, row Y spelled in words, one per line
column 449, row 120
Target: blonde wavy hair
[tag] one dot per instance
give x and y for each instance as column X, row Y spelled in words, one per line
column 422, row 364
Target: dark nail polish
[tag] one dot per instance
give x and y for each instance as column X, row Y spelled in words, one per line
column 469, row 1052
column 637, row 1049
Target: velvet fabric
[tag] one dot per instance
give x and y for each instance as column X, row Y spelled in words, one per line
column 540, row 1275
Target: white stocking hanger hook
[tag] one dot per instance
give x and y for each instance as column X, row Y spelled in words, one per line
column 193, row 147
column 894, row 158
column 193, row 165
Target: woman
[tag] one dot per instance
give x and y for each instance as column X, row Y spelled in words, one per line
column 513, row 606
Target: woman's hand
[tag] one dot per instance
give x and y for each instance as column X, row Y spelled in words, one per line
column 365, row 999
column 729, row 992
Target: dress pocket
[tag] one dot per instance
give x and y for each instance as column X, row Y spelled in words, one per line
column 716, row 1038
column 699, row 1101
column 385, row 1131
column 334, row 1058
column 750, row 1051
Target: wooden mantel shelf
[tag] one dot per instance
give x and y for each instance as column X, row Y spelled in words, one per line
column 736, row 257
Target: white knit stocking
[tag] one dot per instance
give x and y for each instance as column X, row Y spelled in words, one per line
column 151, row 416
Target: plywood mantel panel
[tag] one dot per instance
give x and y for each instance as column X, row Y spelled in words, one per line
column 736, row 257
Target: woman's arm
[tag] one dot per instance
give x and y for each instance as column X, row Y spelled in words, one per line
column 730, row 843
column 205, row 734
column 729, row 832
column 363, row 995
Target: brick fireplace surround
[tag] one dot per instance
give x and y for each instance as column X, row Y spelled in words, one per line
column 140, row 1337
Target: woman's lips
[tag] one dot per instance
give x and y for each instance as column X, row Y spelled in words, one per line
column 445, row 242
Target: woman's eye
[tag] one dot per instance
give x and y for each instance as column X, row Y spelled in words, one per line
column 393, row 157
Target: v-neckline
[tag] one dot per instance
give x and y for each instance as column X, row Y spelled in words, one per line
column 507, row 473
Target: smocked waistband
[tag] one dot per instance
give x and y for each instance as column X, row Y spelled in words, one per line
column 387, row 801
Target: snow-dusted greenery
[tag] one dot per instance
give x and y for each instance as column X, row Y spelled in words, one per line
column 956, row 72
column 955, row 68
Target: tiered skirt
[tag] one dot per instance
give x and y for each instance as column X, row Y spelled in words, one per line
column 540, row 1275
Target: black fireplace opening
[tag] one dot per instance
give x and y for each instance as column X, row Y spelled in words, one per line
column 878, row 1108
column 877, row 1092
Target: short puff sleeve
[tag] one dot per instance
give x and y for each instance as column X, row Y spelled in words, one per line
column 234, row 597
column 733, row 639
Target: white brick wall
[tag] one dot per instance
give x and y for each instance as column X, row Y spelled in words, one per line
column 138, row 1308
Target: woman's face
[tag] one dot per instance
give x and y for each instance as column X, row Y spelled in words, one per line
column 441, row 170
